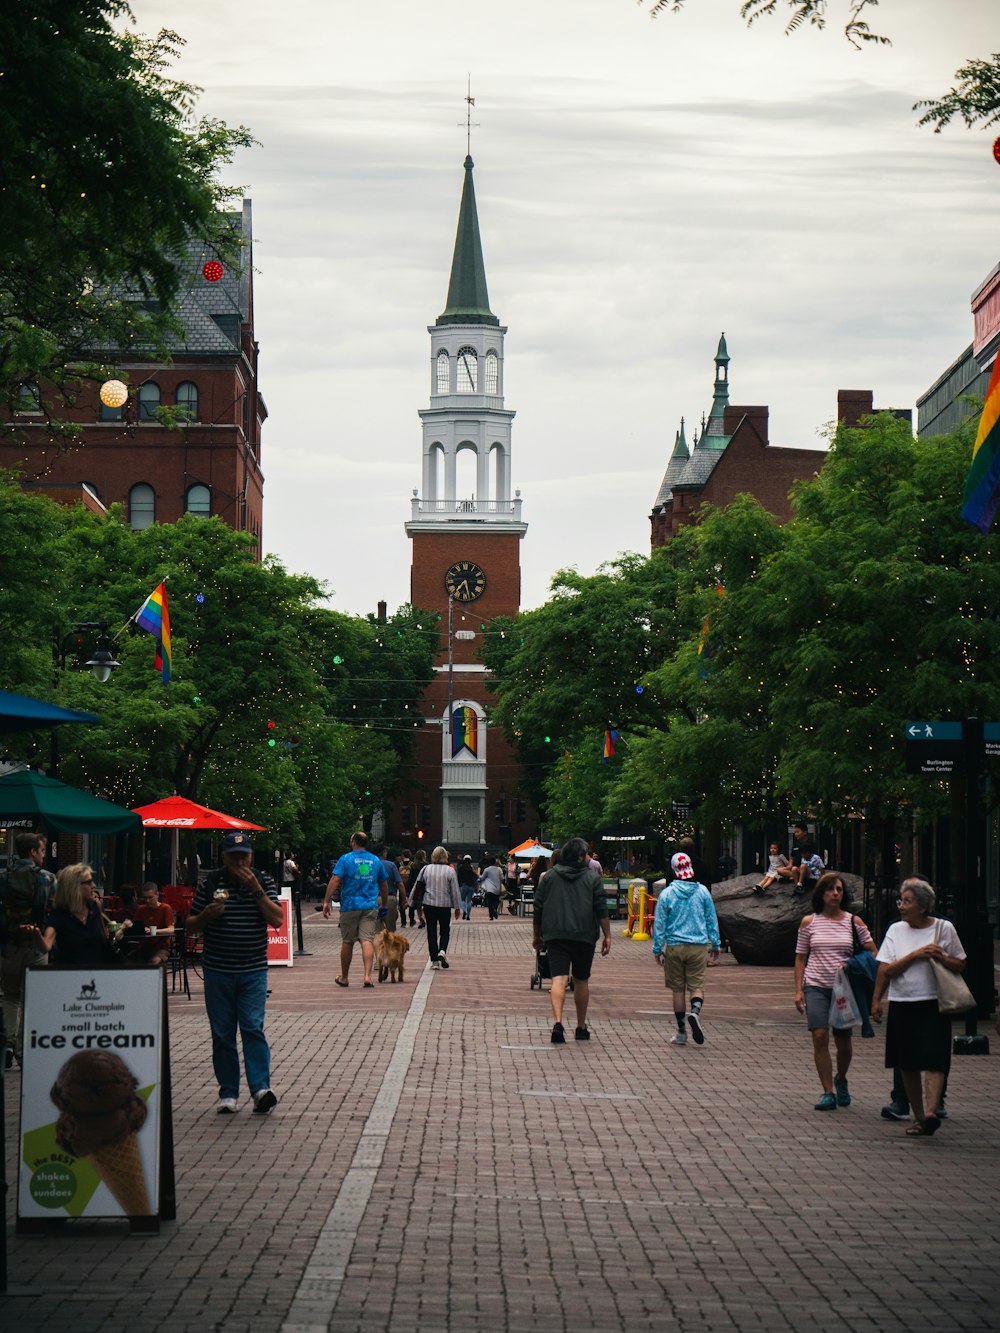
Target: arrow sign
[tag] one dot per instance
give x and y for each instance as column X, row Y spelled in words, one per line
column 934, row 748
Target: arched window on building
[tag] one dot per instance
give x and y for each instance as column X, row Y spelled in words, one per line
column 199, row 501
column 468, row 370
column 187, row 398
column 149, row 401
column 492, row 379
column 443, row 372
column 141, row 506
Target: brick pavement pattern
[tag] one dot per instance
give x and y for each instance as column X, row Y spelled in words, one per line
column 436, row 1164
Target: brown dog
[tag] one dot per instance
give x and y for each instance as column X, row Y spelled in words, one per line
column 389, row 952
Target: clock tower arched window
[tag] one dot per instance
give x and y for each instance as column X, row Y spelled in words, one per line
column 443, row 372
column 492, row 379
column 468, row 370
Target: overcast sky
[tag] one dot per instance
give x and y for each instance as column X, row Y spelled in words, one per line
column 642, row 186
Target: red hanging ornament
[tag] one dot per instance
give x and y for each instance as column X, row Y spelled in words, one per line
column 996, row 150
column 212, row 271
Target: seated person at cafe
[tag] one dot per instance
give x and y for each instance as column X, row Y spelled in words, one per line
column 152, row 950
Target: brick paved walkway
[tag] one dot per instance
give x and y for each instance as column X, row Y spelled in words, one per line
column 436, row 1164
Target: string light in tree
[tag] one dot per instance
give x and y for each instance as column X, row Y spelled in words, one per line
column 212, row 271
column 114, row 393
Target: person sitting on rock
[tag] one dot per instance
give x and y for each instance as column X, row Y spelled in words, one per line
column 776, row 862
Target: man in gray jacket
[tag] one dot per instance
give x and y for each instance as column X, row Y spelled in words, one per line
column 571, row 911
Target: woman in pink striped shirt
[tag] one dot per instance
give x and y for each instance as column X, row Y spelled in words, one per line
column 825, row 942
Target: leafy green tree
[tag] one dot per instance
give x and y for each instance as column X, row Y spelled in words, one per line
column 575, row 666
column 106, row 175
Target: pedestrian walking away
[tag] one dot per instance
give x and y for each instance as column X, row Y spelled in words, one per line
column 232, row 909
column 359, row 883
column 491, row 882
column 825, row 943
column 468, row 882
column 918, row 1036
column 396, row 903
column 570, row 915
column 437, row 888
column 685, row 936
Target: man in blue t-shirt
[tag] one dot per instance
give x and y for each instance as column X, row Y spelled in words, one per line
column 360, row 885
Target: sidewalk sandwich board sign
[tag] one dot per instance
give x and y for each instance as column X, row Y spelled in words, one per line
column 280, row 952
column 96, row 1128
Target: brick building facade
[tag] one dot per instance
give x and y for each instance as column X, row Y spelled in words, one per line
column 211, row 464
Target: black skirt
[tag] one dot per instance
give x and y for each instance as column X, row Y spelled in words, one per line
column 917, row 1037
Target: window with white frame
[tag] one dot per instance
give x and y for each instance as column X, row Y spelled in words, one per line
column 187, row 399
column 141, row 506
column 492, row 373
column 443, row 372
column 467, row 370
column 149, row 401
column 198, row 500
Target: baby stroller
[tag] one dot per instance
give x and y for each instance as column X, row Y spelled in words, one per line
column 542, row 971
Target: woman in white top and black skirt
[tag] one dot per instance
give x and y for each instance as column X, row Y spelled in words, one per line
column 918, row 1036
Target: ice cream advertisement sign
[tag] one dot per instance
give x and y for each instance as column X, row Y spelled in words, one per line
column 279, row 939
column 91, row 1093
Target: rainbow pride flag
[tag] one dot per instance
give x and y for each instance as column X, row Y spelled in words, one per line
column 610, row 738
column 154, row 617
column 981, row 496
column 464, row 731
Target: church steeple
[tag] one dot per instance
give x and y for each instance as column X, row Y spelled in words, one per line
column 713, row 436
column 468, row 300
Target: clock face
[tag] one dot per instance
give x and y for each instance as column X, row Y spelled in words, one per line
column 465, row 581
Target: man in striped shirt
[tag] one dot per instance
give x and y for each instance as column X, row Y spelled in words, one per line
column 232, row 909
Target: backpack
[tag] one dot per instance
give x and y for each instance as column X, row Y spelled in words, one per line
column 22, row 899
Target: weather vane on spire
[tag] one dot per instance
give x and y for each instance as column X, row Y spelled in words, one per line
column 471, row 102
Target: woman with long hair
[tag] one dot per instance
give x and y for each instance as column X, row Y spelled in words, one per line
column 416, row 912
column 826, row 941
column 75, row 928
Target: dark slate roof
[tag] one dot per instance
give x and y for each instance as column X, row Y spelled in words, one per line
column 700, row 467
column 468, row 300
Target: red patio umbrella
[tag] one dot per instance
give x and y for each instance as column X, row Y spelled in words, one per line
column 178, row 812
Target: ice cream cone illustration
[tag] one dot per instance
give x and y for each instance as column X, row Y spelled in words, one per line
column 101, row 1115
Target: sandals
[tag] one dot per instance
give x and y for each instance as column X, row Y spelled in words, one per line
column 923, row 1128
column 369, row 985
column 338, row 981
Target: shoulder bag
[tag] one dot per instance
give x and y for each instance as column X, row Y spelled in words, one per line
column 954, row 996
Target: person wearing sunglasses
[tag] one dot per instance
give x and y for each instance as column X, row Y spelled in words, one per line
column 74, row 932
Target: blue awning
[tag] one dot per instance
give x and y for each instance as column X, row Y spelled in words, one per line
column 19, row 712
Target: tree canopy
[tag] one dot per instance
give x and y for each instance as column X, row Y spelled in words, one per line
column 279, row 709
column 106, row 174
column 778, row 664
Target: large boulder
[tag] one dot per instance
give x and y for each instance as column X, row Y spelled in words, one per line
column 761, row 928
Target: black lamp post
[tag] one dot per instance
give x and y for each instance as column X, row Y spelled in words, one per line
column 101, row 663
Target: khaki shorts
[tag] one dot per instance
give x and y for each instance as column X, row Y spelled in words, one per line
column 356, row 926
column 684, row 966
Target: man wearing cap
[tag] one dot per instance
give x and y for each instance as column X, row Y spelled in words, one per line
column 359, row 883
column 685, row 931
column 232, row 909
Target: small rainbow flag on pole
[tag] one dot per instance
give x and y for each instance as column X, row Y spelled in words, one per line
column 154, row 617
column 981, row 496
column 610, row 739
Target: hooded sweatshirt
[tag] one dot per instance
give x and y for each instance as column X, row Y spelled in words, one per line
column 570, row 902
column 685, row 914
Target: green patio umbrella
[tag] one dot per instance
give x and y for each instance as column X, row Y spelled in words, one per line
column 28, row 795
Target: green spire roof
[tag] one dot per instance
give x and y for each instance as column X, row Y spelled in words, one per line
column 468, row 299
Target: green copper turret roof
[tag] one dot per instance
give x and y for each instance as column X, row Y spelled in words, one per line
column 468, row 299
column 723, row 353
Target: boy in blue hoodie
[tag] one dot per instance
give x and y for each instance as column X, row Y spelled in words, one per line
column 685, row 933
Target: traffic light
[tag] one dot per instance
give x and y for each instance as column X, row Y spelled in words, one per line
column 498, row 809
column 425, row 815
column 522, row 812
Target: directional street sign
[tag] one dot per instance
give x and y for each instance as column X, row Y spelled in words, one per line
column 991, row 740
column 935, row 748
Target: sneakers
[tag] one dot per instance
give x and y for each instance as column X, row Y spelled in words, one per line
column 443, row 959
column 227, row 1106
column 942, row 1111
column 264, row 1102
column 827, row 1102
column 840, row 1088
column 679, row 1039
column 896, row 1111
column 435, row 965
column 558, row 1034
column 8, row 1057
column 694, row 1023
column 582, row 1034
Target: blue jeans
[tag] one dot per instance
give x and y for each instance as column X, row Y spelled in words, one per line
column 236, row 999
column 467, row 891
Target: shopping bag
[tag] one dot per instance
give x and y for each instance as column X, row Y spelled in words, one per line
column 843, row 1006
